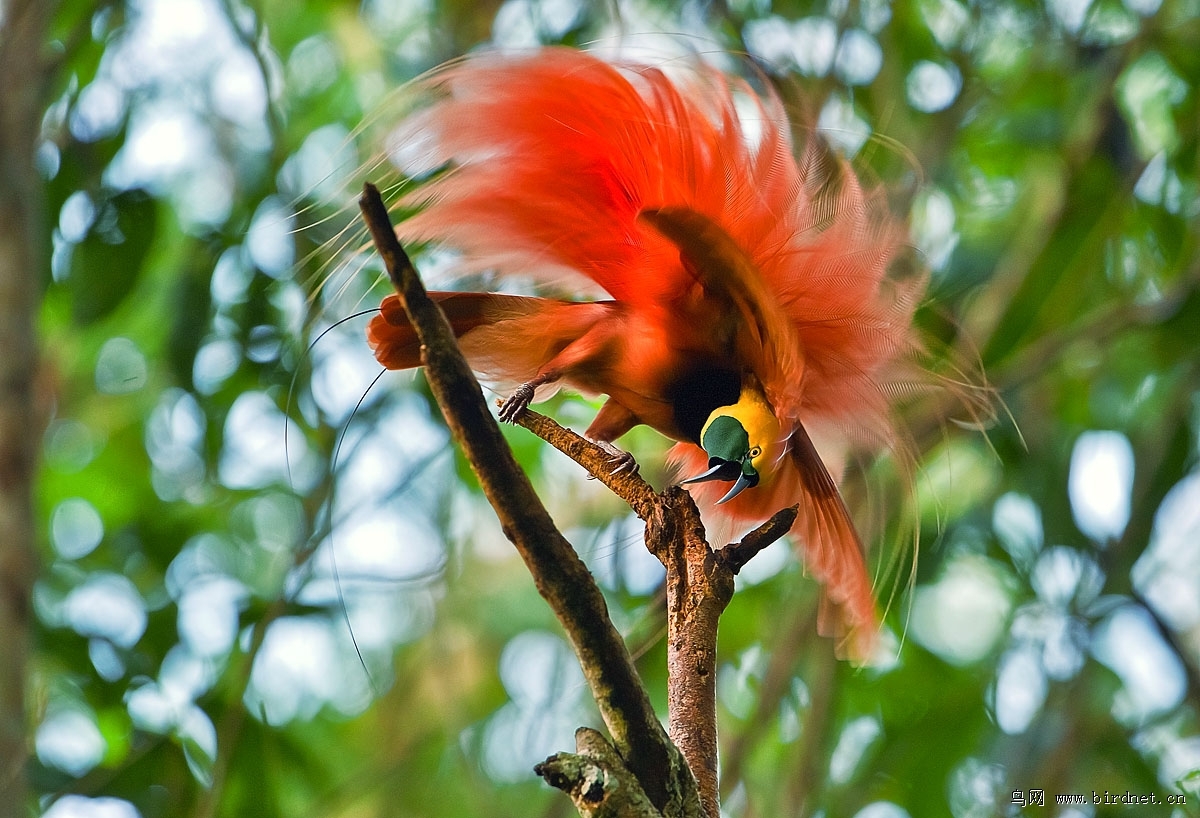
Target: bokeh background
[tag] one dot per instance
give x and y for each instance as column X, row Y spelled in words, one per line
column 270, row 587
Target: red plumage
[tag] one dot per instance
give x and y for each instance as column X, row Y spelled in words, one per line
column 678, row 198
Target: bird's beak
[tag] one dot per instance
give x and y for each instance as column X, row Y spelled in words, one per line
column 718, row 470
column 743, row 482
column 744, row 475
column 728, row 447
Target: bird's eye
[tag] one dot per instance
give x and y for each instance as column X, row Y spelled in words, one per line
column 755, row 452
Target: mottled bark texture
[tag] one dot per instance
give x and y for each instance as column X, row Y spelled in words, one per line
column 597, row 780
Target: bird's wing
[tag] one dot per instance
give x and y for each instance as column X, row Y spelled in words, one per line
column 395, row 343
column 748, row 320
column 506, row 338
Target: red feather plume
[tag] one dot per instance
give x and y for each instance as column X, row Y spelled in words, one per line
column 552, row 161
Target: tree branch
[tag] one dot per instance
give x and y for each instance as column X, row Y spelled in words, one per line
column 699, row 586
column 736, row 556
column 629, row 487
column 560, row 576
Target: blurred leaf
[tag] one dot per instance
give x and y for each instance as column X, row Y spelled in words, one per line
column 106, row 264
column 192, row 297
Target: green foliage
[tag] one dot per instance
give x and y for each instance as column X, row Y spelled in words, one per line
column 106, row 263
column 235, row 619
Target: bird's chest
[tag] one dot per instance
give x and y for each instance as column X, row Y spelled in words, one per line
column 672, row 382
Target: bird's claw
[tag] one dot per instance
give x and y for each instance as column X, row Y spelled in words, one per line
column 625, row 463
column 621, row 461
column 517, row 403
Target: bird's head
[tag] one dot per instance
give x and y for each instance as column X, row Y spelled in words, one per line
column 742, row 441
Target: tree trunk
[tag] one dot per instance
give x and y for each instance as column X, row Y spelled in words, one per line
column 22, row 34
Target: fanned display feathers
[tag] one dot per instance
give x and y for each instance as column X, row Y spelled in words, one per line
column 718, row 257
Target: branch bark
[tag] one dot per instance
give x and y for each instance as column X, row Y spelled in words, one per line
column 675, row 775
column 597, row 780
column 22, row 35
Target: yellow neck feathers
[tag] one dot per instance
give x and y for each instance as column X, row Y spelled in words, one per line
column 757, row 418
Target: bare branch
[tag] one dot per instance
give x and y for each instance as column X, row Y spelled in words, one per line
column 699, row 582
column 699, row 586
column 736, row 556
column 629, row 487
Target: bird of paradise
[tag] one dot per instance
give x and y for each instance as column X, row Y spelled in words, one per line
column 745, row 303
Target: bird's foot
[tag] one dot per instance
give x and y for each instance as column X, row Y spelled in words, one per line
column 621, row 461
column 517, row 403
